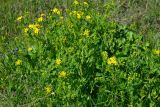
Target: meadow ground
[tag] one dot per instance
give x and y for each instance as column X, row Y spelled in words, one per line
column 80, row 53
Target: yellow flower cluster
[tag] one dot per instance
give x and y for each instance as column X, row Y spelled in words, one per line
column 19, row 18
column 78, row 14
column 56, row 11
column 40, row 19
column 112, row 61
column 62, row 74
column 48, row 89
column 42, row 14
column 88, row 18
column 157, row 52
column 76, row 2
column 32, row 26
column 58, row 61
column 30, row 49
column 35, row 28
column 86, row 32
column 18, row 62
column 26, row 30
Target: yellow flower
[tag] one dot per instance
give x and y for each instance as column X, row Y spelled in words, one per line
column 19, row 18
column 40, row 19
column 35, row 28
column 36, row 31
column 86, row 32
column 56, row 11
column 88, row 18
column 112, row 60
column 31, row 26
column 58, row 61
column 85, row 3
column 42, row 14
column 62, row 74
column 37, row 25
column 48, row 89
column 26, row 30
column 18, row 62
column 76, row 2
column 157, row 52
column 78, row 16
column 30, row 49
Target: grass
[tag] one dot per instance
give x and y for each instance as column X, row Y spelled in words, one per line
column 94, row 53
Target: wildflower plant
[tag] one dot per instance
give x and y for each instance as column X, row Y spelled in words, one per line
column 86, row 59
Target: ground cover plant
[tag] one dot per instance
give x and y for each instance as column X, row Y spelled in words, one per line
column 77, row 56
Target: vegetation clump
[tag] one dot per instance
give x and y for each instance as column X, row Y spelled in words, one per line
column 78, row 57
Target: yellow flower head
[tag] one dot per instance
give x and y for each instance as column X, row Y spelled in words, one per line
column 112, row 60
column 85, row 3
column 36, row 31
column 86, row 32
column 48, row 89
column 157, row 52
column 37, row 25
column 78, row 16
column 19, row 18
column 26, row 30
column 35, row 28
column 62, row 74
column 42, row 14
column 58, row 61
column 40, row 19
column 30, row 49
column 88, row 18
column 56, row 11
column 31, row 26
column 76, row 2
column 18, row 62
